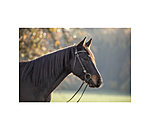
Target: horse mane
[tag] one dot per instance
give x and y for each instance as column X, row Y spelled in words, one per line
column 49, row 65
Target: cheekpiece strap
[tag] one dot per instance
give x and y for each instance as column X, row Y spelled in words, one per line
column 77, row 54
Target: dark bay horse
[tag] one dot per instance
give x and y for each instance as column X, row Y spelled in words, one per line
column 40, row 77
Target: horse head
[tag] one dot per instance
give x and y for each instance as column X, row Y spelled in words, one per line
column 84, row 65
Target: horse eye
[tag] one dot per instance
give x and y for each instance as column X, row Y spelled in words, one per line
column 84, row 59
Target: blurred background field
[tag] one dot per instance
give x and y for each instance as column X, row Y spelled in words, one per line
column 63, row 96
column 112, row 50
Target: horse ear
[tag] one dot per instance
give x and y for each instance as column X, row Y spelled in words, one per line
column 88, row 44
column 80, row 45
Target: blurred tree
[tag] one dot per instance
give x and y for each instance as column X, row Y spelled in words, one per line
column 35, row 42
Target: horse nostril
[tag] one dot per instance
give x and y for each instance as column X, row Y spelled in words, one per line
column 98, row 82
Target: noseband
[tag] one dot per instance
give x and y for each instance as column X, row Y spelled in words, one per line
column 87, row 76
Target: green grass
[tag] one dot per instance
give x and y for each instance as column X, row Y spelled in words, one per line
column 63, row 96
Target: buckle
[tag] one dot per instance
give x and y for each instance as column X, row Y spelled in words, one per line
column 87, row 77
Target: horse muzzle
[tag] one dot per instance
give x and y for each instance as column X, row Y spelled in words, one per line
column 95, row 82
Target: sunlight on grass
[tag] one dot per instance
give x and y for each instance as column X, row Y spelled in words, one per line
column 90, row 97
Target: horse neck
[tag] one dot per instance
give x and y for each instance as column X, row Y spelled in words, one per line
column 60, row 78
column 54, row 84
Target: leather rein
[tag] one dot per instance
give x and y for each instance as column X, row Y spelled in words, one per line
column 87, row 76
